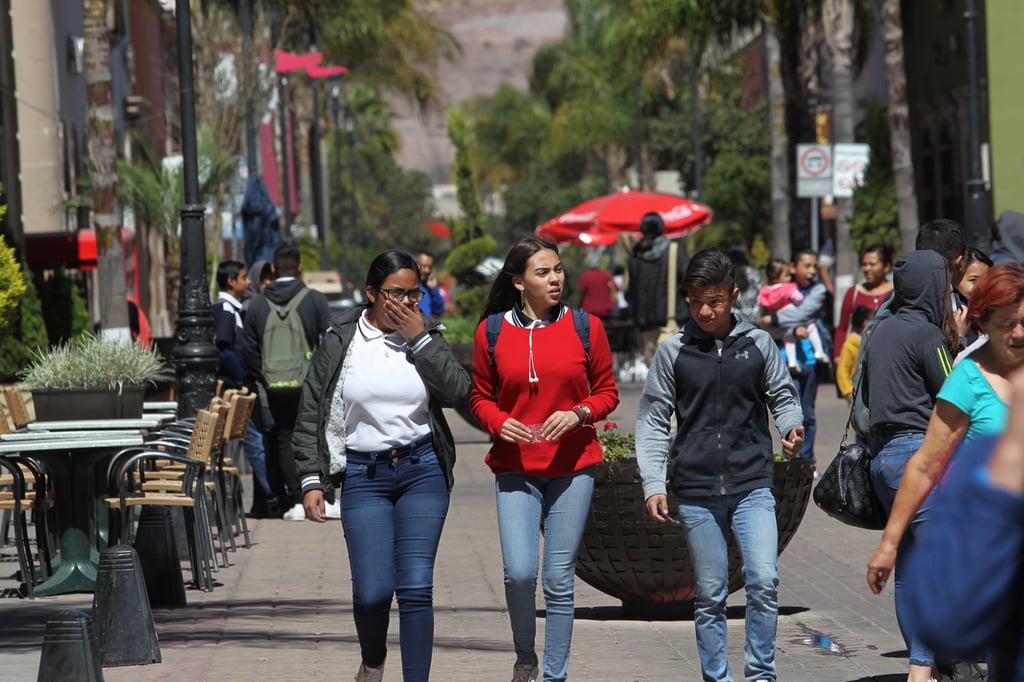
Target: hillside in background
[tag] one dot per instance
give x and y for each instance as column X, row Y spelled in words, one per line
column 499, row 39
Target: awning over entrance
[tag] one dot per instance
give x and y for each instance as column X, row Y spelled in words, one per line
column 73, row 250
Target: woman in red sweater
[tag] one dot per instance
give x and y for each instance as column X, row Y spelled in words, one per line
column 875, row 265
column 537, row 395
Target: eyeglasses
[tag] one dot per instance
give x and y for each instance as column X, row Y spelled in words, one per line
column 413, row 295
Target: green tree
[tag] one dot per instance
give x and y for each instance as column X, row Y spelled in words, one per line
column 29, row 332
column 472, row 246
column 875, row 208
column 12, row 286
column 65, row 313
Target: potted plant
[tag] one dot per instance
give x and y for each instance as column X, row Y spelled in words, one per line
column 92, row 378
column 646, row 564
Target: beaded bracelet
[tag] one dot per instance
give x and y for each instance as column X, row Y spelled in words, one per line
column 582, row 413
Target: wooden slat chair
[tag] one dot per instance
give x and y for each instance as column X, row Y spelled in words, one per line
column 168, row 477
column 16, row 406
column 228, row 475
column 128, row 474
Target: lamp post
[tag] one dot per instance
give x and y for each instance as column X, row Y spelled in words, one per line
column 977, row 192
column 195, row 356
column 282, row 113
column 318, row 184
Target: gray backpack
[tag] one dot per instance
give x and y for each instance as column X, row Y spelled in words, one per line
column 286, row 352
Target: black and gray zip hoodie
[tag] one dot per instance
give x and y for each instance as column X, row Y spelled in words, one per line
column 720, row 394
column 448, row 384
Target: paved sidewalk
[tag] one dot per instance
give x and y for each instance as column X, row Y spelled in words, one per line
column 282, row 610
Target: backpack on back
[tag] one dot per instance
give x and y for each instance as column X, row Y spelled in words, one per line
column 580, row 320
column 286, row 352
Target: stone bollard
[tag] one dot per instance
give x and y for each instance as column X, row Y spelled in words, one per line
column 69, row 650
column 125, row 634
column 158, row 556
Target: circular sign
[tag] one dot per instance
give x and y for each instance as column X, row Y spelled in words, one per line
column 814, row 161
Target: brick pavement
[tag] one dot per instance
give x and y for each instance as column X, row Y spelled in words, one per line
column 282, row 610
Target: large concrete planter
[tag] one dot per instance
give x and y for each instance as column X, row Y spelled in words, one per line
column 646, row 564
column 56, row 404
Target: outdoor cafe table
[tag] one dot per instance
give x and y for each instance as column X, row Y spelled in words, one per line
column 70, row 462
column 145, row 422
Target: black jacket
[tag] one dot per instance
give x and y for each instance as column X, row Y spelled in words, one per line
column 447, row 381
column 648, row 283
column 313, row 311
column 906, row 356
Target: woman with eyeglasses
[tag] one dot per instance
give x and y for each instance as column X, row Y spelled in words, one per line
column 537, row 389
column 370, row 423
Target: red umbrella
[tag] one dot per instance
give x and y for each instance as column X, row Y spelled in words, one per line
column 600, row 221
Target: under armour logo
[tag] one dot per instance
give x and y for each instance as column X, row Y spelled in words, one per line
column 742, row 355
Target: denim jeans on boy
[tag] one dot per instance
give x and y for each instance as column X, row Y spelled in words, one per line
column 562, row 502
column 256, row 453
column 392, row 513
column 887, row 469
column 707, row 521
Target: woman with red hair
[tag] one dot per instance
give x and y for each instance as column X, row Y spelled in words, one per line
column 973, row 402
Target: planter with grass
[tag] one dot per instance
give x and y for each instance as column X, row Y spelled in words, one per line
column 92, row 378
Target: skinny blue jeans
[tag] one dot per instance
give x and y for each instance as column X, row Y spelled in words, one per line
column 392, row 514
column 752, row 518
column 887, row 469
column 561, row 503
column 256, row 453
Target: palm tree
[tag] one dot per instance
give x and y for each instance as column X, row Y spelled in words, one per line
column 106, row 216
column 899, row 122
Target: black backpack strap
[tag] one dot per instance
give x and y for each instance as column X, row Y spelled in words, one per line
column 492, row 330
column 581, row 320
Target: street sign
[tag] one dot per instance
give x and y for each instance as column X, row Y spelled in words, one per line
column 813, row 170
column 850, row 161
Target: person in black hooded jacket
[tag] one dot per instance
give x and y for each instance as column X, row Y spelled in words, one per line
column 648, row 283
column 907, row 360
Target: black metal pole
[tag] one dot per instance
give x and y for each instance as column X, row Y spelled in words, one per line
column 282, row 114
column 639, row 136
column 336, row 110
column 318, row 176
column 195, row 356
column 977, row 194
column 251, row 145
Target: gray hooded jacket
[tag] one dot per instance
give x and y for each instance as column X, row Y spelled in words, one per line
column 906, row 356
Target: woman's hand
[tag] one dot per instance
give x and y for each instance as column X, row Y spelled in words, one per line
column 313, row 503
column 407, row 321
column 559, row 424
column 880, row 566
column 514, row 431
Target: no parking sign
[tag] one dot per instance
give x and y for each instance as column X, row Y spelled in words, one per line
column 813, row 170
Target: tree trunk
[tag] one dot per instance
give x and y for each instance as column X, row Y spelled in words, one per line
column 838, row 22
column 106, row 216
column 899, row 123
column 780, row 145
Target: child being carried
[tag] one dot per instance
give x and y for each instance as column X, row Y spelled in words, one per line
column 782, row 296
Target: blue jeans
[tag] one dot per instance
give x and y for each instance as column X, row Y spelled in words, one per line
column 707, row 521
column 887, row 469
column 807, row 387
column 256, row 453
column 562, row 504
column 392, row 514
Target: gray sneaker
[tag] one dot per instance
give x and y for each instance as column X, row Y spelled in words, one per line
column 366, row 674
column 524, row 672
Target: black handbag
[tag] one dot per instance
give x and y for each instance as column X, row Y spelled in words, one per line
column 844, row 490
